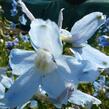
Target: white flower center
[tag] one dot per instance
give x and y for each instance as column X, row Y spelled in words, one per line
column 44, row 61
column 102, row 17
column 65, row 36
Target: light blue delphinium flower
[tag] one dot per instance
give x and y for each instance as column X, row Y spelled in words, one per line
column 25, row 38
column 81, row 32
column 14, row 3
column 4, row 79
column 46, row 67
column 14, row 10
column 83, row 99
column 103, row 41
column 100, row 85
column 22, row 19
column 5, row 82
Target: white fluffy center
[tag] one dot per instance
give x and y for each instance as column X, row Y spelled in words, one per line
column 44, row 61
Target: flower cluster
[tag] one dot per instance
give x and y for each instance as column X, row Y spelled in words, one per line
column 14, row 12
column 47, row 71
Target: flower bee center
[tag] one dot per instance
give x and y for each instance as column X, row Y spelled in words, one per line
column 44, row 61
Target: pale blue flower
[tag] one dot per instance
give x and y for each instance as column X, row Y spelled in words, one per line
column 14, row 10
column 81, row 32
column 25, row 38
column 103, row 41
column 46, row 66
column 14, row 3
column 33, row 104
column 12, row 25
column 100, row 85
column 5, row 82
column 22, row 19
column 97, row 58
column 83, row 99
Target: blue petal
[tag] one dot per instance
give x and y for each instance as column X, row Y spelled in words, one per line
column 97, row 58
column 69, row 70
column 46, row 35
column 55, row 86
column 86, row 27
column 21, row 60
column 88, row 71
column 6, row 81
column 22, row 19
column 23, row 88
column 83, row 99
column 77, row 71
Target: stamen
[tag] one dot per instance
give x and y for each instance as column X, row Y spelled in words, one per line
column 66, row 39
column 101, row 17
column 44, row 61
